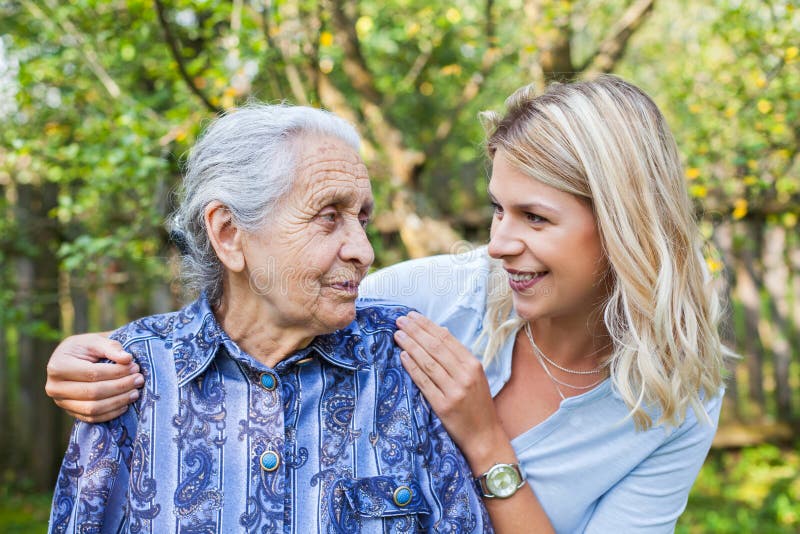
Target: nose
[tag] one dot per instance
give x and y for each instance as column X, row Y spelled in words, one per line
column 356, row 247
column 505, row 239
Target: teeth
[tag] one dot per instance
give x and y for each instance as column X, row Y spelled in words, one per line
column 523, row 277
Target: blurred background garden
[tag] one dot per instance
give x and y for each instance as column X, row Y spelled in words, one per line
column 100, row 100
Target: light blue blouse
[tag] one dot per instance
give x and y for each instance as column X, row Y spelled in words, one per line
column 589, row 467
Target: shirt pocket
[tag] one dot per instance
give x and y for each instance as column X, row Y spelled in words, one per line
column 389, row 499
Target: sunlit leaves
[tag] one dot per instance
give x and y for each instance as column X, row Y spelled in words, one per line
column 733, row 98
column 753, row 490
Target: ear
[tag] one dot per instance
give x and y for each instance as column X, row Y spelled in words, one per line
column 225, row 236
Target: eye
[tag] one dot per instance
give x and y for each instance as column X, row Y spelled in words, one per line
column 363, row 220
column 498, row 210
column 328, row 215
column 535, row 219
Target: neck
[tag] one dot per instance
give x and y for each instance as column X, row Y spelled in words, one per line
column 576, row 345
column 255, row 328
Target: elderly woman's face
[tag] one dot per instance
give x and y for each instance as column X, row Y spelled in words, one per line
column 308, row 261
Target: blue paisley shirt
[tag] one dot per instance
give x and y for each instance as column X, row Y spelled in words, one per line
column 335, row 438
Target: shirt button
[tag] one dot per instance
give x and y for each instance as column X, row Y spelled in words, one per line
column 402, row 495
column 268, row 381
column 269, row 461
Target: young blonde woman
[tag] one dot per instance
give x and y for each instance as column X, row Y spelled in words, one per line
column 597, row 386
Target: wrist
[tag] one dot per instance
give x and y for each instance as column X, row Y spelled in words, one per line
column 488, row 450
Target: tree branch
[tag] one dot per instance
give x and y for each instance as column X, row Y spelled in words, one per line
column 176, row 54
column 490, row 58
column 613, row 46
column 267, row 64
column 89, row 54
column 355, row 66
column 334, row 100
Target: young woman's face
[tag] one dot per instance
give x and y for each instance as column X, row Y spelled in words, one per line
column 549, row 245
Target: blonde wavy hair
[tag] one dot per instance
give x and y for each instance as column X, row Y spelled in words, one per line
column 605, row 140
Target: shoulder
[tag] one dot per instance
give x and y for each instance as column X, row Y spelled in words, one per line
column 432, row 283
column 372, row 313
column 158, row 326
column 368, row 340
column 705, row 422
column 162, row 326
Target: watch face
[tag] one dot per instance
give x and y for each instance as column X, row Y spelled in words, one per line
column 502, row 480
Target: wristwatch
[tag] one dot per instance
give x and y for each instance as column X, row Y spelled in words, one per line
column 500, row 481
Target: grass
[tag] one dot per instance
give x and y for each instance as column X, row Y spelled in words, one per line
column 23, row 512
column 756, row 489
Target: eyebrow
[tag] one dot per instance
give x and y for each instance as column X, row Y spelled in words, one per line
column 341, row 199
column 527, row 206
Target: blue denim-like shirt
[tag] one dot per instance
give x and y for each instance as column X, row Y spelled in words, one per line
column 335, row 438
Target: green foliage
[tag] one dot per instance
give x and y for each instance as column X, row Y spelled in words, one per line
column 753, row 490
column 104, row 112
column 21, row 510
column 731, row 94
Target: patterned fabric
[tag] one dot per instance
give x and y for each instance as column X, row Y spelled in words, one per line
column 357, row 447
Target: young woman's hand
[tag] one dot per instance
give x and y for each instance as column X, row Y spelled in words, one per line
column 86, row 389
column 452, row 380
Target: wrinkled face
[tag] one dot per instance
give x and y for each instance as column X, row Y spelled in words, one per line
column 307, row 262
column 549, row 244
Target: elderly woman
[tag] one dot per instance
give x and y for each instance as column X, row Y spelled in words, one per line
column 272, row 403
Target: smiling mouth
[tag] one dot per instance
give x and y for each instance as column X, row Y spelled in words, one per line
column 348, row 286
column 525, row 277
column 523, row 282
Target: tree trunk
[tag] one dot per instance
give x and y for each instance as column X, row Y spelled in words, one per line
column 80, row 305
column 23, row 414
column 776, row 281
column 723, row 239
column 41, row 433
column 747, row 283
column 161, row 299
column 105, row 301
column 5, row 445
column 793, row 258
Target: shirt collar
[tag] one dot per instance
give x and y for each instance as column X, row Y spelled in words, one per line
column 197, row 337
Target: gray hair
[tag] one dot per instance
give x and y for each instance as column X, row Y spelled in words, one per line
column 246, row 159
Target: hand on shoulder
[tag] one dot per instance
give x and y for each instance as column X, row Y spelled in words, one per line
column 82, row 383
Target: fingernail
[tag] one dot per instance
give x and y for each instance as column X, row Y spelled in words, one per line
column 134, row 368
column 138, row 381
column 401, row 335
column 134, row 395
column 402, row 321
column 414, row 315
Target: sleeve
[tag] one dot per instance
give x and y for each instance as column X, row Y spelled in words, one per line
column 456, row 506
column 436, row 286
column 90, row 492
column 410, row 283
column 652, row 496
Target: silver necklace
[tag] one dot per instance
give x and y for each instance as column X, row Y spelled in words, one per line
column 596, row 370
column 539, row 354
column 552, row 379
